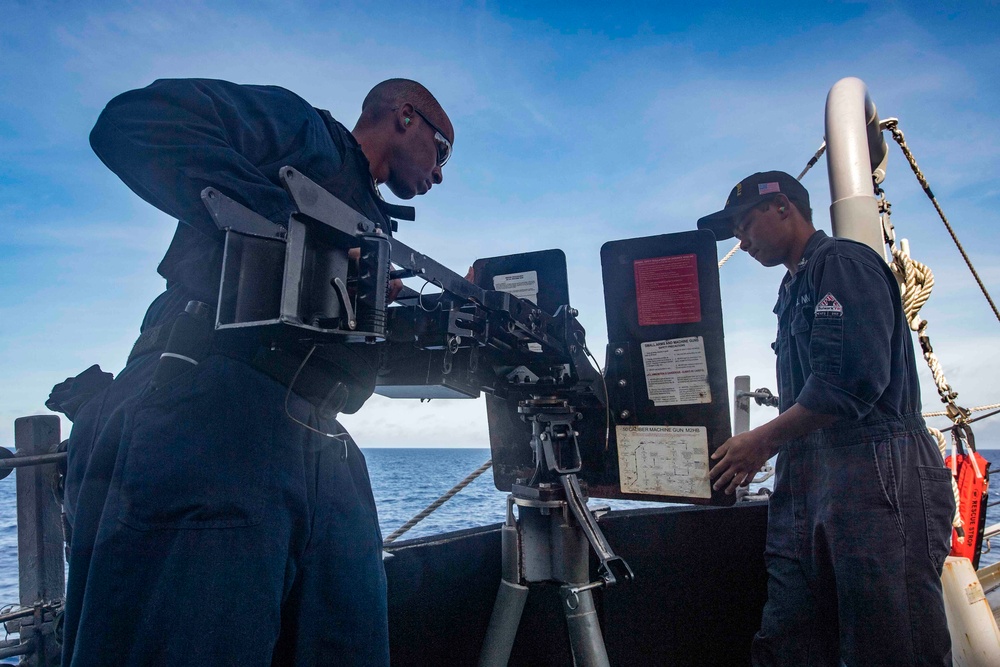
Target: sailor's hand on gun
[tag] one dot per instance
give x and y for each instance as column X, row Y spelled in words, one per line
column 741, row 457
column 395, row 287
column 395, row 284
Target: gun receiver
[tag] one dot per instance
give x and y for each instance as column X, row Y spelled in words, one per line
column 324, row 280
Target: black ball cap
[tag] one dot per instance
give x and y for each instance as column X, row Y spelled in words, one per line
column 749, row 192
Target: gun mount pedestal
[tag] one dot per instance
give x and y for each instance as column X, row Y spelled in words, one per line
column 549, row 541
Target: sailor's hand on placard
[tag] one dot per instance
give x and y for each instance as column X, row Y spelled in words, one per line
column 739, row 459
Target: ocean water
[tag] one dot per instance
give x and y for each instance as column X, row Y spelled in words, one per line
column 405, row 481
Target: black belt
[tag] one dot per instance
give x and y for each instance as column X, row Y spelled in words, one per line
column 321, row 381
column 305, row 374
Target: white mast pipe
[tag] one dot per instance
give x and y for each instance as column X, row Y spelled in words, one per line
column 855, row 148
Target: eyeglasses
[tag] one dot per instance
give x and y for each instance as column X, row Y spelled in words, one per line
column 443, row 145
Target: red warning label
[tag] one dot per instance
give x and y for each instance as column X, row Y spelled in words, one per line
column 666, row 290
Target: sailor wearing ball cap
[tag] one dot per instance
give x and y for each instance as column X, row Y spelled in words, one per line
column 859, row 522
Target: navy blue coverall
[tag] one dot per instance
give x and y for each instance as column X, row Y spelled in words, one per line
column 207, row 527
column 860, row 520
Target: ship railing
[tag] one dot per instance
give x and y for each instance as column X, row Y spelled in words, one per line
column 40, row 543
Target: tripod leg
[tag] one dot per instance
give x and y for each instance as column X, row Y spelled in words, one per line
column 584, row 628
column 503, row 625
column 511, row 596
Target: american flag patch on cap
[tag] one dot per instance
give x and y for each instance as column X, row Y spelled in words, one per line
column 767, row 188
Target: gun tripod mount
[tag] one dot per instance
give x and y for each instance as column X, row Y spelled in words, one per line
column 548, row 541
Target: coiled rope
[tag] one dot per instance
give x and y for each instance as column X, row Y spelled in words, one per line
column 892, row 124
column 916, row 282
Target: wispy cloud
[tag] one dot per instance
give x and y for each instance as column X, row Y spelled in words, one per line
column 573, row 128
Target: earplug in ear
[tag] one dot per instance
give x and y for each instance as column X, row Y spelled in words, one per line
column 406, row 121
column 781, row 209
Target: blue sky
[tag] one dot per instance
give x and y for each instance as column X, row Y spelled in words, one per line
column 575, row 124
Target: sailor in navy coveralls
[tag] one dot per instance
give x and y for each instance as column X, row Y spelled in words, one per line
column 208, row 528
column 859, row 523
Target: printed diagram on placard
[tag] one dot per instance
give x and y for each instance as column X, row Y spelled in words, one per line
column 664, row 460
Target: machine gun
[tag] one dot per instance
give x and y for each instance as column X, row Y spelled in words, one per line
column 554, row 426
column 324, row 280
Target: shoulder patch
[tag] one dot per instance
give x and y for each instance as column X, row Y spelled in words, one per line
column 829, row 306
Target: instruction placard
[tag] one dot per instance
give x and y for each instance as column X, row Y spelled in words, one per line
column 664, row 460
column 523, row 285
column 676, row 371
column 666, row 290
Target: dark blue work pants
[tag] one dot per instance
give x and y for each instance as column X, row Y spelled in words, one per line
column 210, row 529
column 858, row 529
